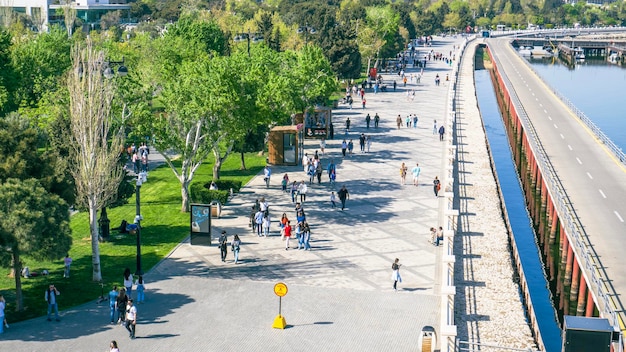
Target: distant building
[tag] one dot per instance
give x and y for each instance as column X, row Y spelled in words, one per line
column 44, row 12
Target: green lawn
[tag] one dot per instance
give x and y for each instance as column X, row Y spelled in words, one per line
column 164, row 226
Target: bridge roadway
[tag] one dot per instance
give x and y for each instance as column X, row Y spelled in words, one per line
column 593, row 178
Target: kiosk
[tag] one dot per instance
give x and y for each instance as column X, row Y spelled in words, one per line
column 285, row 144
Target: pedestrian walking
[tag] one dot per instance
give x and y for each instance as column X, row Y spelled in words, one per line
column 416, row 174
column 403, row 171
column 267, row 173
column 318, row 172
column 120, row 306
column 302, row 190
column 348, row 124
column 343, row 196
column 222, row 241
column 306, row 234
column 376, row 120
column 395, row 276
column 68, row 262
column 258, row 220
column 408, row 121
column 305, row 162
column 367, row 121
column 442, row 130
column 434, row 126
column 113, row 347
column 415, row 120
column 362, row 142
column 344, row 147
column 322, row 145
column 368, row 142
column 141, row 288
column 399, row 121
column 51, row 297
column 235, row 246
column 350, row 147
column 266, row 224
column 294, row 191
column 131, row 318
column 284, row 182
column 330, row 168
column 299, row 235
column 113, row 294
column 128, row 282
column 436, row 186
column 283, row 222
column 287, row 234
column 333, row 200
column 3, row 320
column 394, row 85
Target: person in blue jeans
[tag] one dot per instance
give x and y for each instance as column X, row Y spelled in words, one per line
column 140, row 288
column 112, row 299
column 306, row 236
column 51, row 298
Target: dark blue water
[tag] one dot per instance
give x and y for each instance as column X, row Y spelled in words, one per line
column 517, row 213
column 595, row 87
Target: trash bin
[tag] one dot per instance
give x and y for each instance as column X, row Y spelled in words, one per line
column 216, row 209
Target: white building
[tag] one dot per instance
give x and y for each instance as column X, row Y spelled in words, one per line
column 50, row 11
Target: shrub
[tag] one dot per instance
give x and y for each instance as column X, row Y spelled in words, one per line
column 200, row 194
column 226, row 185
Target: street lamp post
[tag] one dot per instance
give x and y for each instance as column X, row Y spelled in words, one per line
column 306, row 30
column 248, row 36
column 141, row 178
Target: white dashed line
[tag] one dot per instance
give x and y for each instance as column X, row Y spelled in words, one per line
column 602, row 194
column 562, row 136
column 619, row 217
column 555, row 126
column 588, row 174
column 580, row 162
column 550, row 118
column 570, row 147
column 545, row 111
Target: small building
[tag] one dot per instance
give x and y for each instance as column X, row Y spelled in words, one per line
column 45, row 11
column 285, row 145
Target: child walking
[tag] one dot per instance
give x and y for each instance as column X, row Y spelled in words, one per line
column 140, row 288
column 333, row 199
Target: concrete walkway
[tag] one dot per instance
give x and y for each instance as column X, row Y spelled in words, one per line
column 340, row 293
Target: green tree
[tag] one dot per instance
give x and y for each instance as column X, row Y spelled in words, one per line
column 33, row 222
column 97, row 145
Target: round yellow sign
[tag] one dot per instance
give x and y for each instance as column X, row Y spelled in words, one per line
column 280, row 289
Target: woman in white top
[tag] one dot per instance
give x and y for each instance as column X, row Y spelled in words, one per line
column 128, row 282
column 266, row 224
column 302, row 189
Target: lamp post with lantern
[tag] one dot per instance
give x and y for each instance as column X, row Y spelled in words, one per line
column 248, row 36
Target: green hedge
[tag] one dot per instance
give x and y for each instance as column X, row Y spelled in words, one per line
column 226, row 185
column 202, row 195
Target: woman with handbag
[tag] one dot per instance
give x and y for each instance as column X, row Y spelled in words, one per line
column 234, row 247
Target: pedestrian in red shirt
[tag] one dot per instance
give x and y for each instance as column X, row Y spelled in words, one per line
column 287, row 234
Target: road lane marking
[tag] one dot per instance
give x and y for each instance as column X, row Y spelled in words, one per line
column 570, row 147
column 562, row 136
column 549, row 117
column 588, row 174
column 602, row 193
column 619, row 217
column 555, row 126
column 545, row 111
column 580, row 162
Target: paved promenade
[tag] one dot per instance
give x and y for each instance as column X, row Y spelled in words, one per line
column 340, row 293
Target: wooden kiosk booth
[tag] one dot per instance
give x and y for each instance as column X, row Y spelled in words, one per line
column 285, row 145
